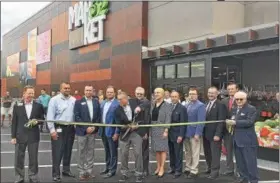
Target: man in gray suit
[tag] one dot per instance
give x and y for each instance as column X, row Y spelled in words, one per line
column 230, row 103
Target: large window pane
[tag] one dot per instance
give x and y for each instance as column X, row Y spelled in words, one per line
column 159, row 72
column 183, row 70
column 170, row 71
column 197, row 69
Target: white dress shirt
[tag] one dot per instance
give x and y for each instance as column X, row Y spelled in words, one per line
column 28, row 109
column 90, row 107
column 105, row 110
column 128, row 112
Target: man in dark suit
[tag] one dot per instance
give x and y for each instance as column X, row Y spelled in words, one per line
column 23, row 137
column 176, row 134
column 109, row 135
column 124, row 114
column 143, row 115
column 213, row 133
column 230, row 103
column 245, row 139
column 86, row 110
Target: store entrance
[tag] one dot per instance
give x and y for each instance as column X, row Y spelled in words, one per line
column 226, row 70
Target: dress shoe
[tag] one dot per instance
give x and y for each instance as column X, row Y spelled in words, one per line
column 176, row 175
column 138, row 179
column 155, row 174
column 123, row 178
column 104, row 172
column 228, row 173
column 19, row 181
column 187, row 173
column 192, row 176
column 160, row 175
column 68, row 174
column 56, row 179
column 171, row 172
column 108, row 175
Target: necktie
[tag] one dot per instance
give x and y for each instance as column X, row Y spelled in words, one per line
column 208, row 107
column 230, row 103
column 174, row 105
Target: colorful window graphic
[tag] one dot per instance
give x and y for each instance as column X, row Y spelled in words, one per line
column 43, row 47
column 12, row 65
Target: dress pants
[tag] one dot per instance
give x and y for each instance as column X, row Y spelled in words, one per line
column 246, row 161
column 86, row 145
column 228, row 143
column 33, row 160
column 62, row 148
column 145, row 153
column 135, row 141
column 111, row 153
column 192, row 154
column 176, row 156
column 212, row 152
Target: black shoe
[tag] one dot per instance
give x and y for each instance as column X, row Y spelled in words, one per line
column 207, row 172
column 227, row 173
column 171, row 172
column 19, row 181
column 192, row 176
column 139, row 179
column 123, row 178
column 104, row 172
column 56, row 179
column 187, row 173
column 108, row 175
column 176, row 175
column 68, row 174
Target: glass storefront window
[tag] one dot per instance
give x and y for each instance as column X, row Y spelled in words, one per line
column 183, row 70
column 197, row 69
column 170, row 71
column 159, row 72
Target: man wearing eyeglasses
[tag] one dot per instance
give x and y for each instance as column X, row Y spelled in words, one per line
column 244, row 138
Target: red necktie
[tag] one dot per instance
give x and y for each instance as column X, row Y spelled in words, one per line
column 230, row 103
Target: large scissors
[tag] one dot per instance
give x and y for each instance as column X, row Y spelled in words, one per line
column 129, row 128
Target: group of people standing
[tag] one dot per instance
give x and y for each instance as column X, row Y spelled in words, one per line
column 234, row 125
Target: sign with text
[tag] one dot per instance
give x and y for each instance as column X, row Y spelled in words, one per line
column 91, row 16
column 12, row 65
column 43, row 47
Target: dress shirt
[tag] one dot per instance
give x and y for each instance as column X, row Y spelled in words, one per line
column 173, row 106
column 210, row 105
column 128, row 112
column 28, row 108
column 168, row 100
column 90, row 107
column 105, row 109
column 61, row 109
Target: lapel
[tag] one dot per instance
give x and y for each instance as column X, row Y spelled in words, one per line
column 212, row 107
column 32, row 110
column 123, row 113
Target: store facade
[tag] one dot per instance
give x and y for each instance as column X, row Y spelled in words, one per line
column 78, row 42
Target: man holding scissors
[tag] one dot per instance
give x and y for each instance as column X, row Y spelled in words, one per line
column 125, row 115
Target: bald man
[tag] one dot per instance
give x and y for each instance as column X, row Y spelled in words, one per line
column 244, row 138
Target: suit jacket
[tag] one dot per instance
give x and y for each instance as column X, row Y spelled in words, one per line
column 109, row 119
column 144, row 116
column 179, row 114
column 244, row 131
column 218, row 112
column 21, row 133
column 121, row 118
column 164, row 114
column 81, row 114
column 225, row 101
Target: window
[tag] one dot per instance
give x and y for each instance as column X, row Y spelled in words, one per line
column 159, row 71
column 197, row 69
column 183, row 70
column 170, row 71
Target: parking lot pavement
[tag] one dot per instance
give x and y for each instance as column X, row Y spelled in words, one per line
column 7, row 161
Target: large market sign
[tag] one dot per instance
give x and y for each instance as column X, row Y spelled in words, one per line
column 91, row 15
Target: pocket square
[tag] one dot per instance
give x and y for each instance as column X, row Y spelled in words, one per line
column 83, row 103
column 242, row 114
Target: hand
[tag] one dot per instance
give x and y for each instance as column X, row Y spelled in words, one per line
column 133, row 128
column 137, row 110
column 276, row 116
column 54, row 135
column 165, row 134
column 216, row 138
column 196, row 137
column 145, row 137
column 90, row 130
column 115, row 137
column 230, row 122
column 179, row 139
column 14, row 141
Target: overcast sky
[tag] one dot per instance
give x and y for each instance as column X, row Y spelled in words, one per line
column 14, row 13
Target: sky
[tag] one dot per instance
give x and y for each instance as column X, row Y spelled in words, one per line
column 14, row 13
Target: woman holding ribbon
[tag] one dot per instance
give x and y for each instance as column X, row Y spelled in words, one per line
column 160, row 114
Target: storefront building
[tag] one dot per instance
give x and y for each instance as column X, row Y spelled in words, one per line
column 171, row 44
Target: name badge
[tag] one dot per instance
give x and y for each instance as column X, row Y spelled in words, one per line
column 59, row 130
column 83, row 103
column 20, row 104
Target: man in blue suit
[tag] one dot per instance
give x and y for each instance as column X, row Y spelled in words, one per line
column 86, row 110
column 244, row 138
column 109, row 135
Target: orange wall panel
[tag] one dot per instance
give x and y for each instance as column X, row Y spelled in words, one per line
column 23, row 42
column 43, row 77
column 98, row 75
column 3, row 86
